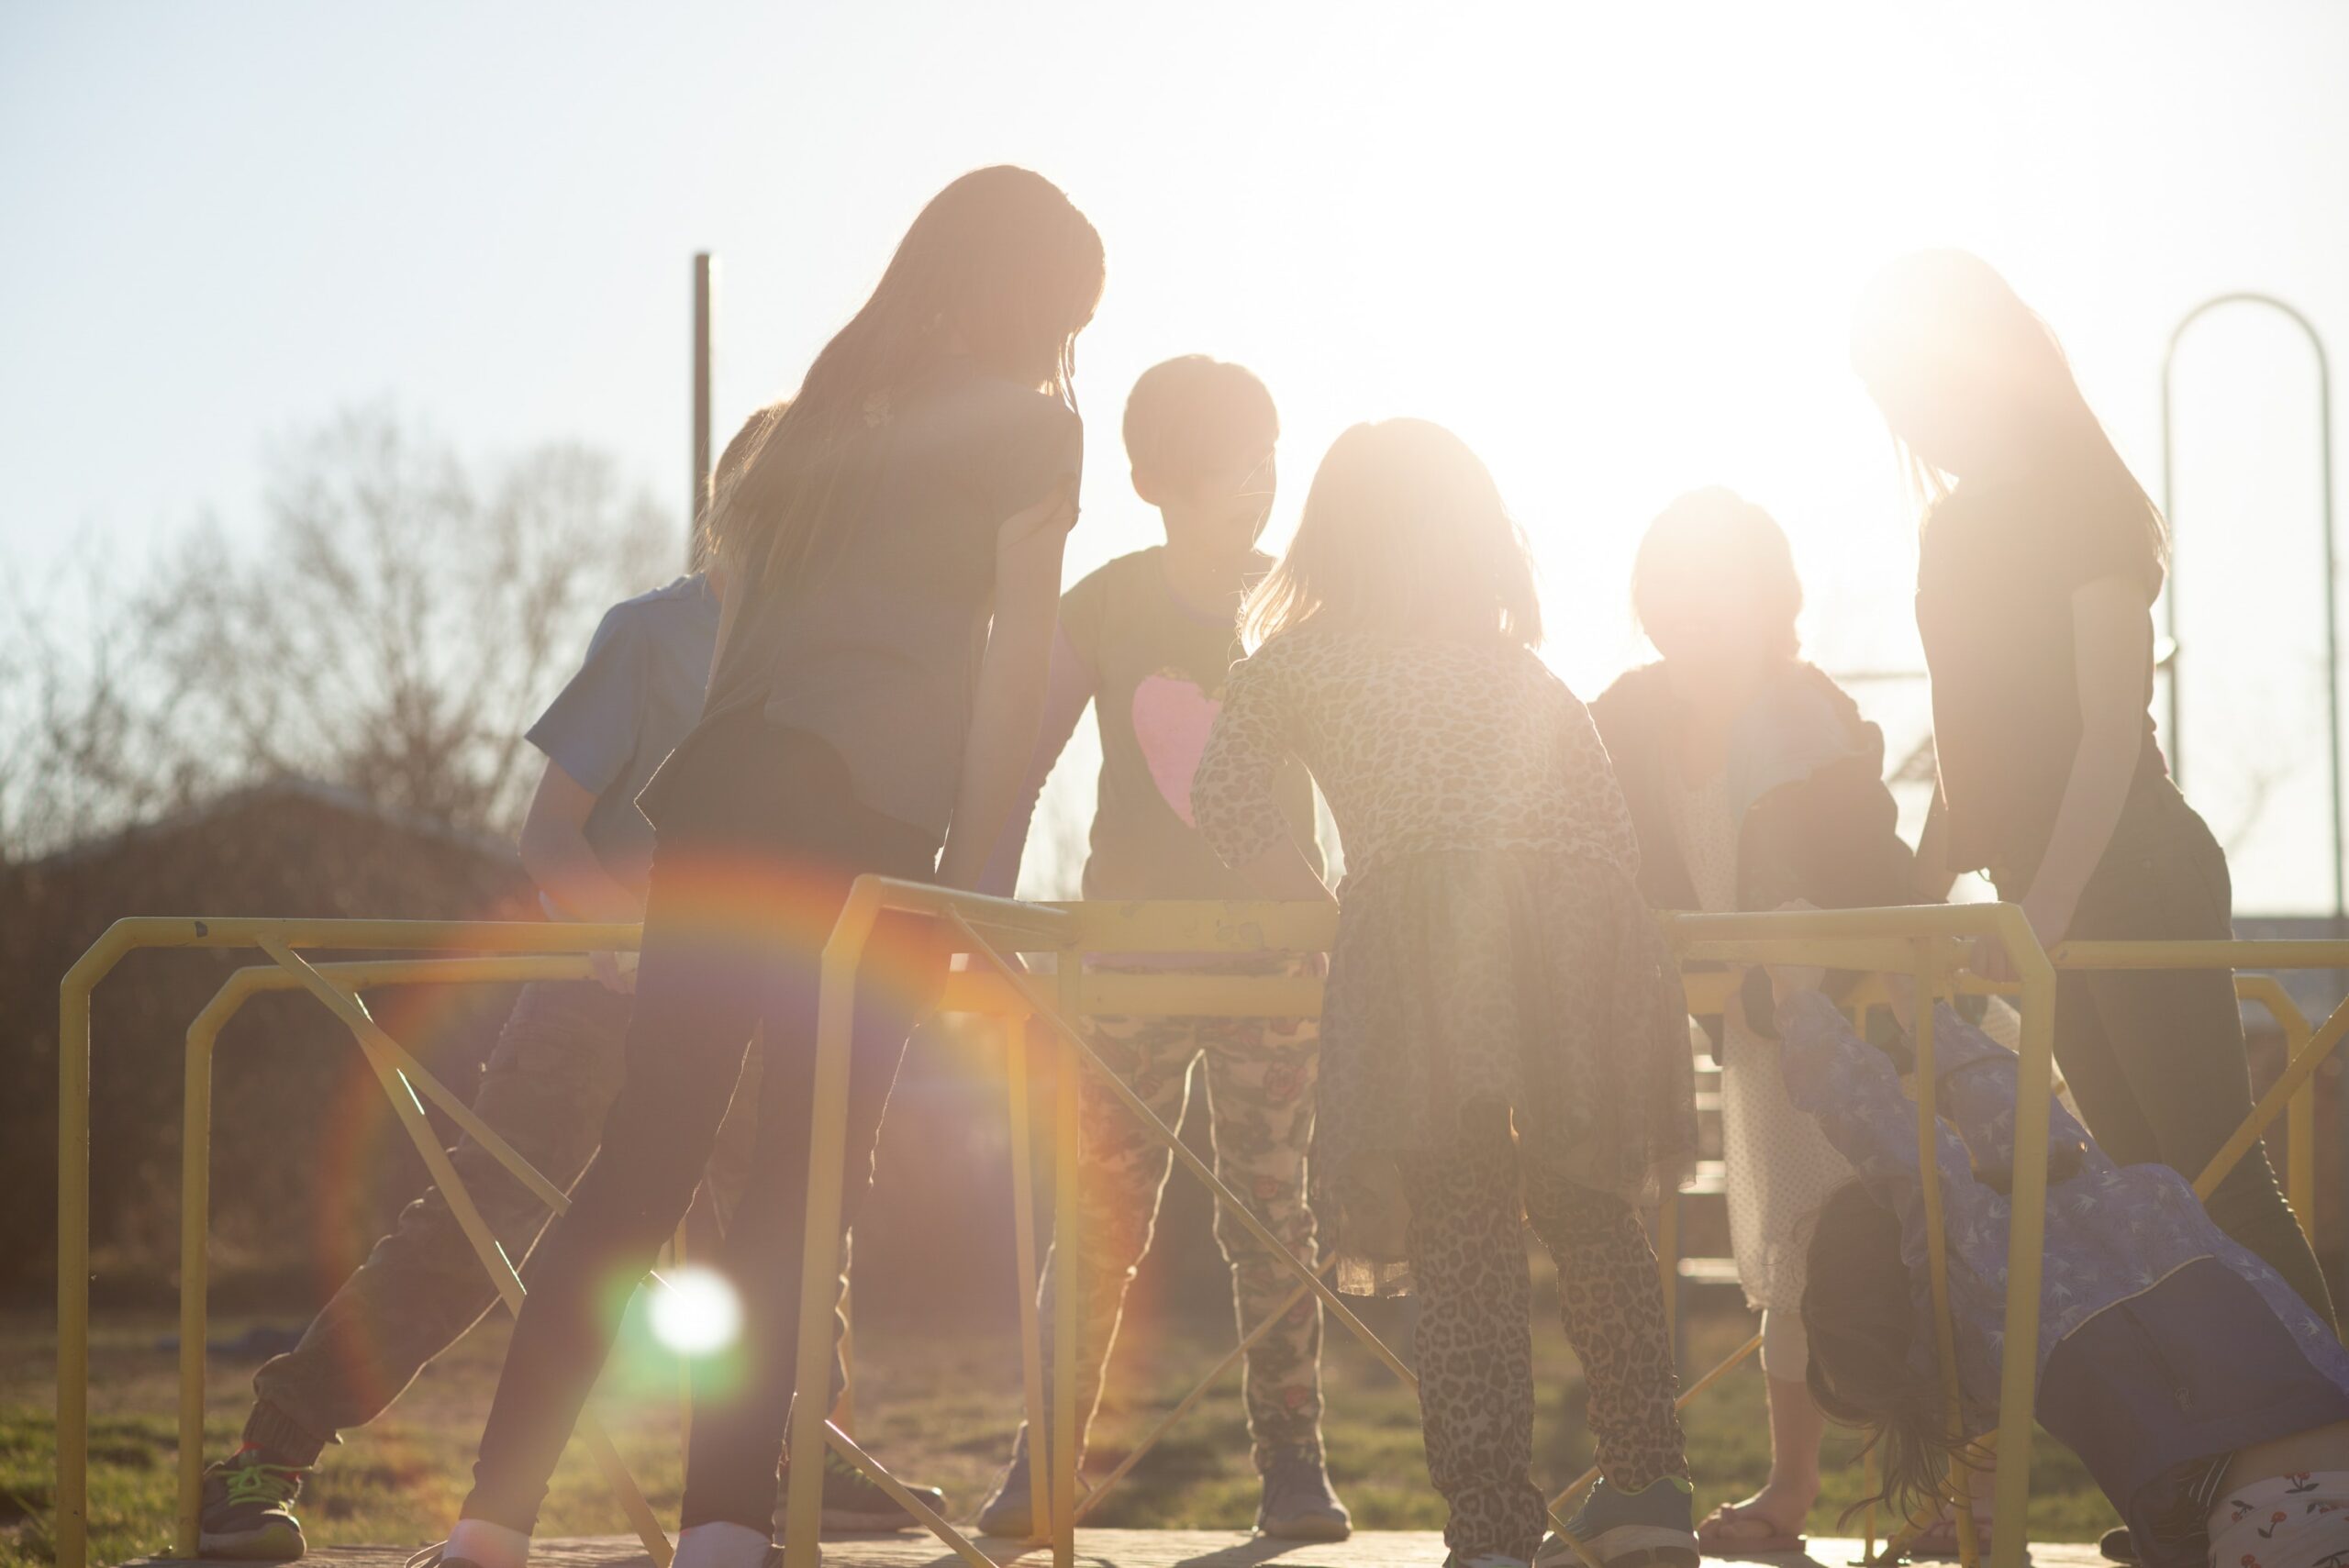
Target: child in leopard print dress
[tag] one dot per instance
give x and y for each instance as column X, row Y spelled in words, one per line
column 1494, row 972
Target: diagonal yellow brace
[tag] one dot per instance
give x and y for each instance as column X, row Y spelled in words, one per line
column 1044, row 1013
column 1730, row 1363
column 1248, row 1342
column 374, row 1043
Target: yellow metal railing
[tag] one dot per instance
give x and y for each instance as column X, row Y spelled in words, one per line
column 1927, row 943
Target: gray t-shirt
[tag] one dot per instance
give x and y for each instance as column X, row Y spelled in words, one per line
column 877, row 653
column 636, row 694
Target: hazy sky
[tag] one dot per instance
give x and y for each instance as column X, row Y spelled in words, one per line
column 1615, row 247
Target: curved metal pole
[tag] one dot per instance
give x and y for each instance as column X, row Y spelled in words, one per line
column 2332, row 584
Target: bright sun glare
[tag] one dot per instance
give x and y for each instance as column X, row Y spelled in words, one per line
column 695, row 1312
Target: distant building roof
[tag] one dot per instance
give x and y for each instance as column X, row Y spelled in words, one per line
column 315, row 793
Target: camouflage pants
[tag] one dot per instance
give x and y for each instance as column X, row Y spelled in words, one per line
column 1260, row 1077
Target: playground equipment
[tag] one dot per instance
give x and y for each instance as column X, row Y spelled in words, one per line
column 1928, row 944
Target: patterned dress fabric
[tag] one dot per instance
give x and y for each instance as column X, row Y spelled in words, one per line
column 1781, row 1167
column 1492, row 949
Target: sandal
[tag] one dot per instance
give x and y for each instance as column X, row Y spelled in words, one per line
column 1740, row 1530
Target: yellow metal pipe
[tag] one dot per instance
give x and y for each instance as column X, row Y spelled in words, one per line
column 195, row 1210
column 371, row 1041
column 820, row 1239
column 439, row 936
column 2201, row 955
column 1023, row 1246
column 1165, row 1423
column 899, row 1494
column 2299, row 1172
column 1928, row 977
column 1735, row 1359
column 1068, row 1274
column 2297, row 1073
column 72, row 1528
column 2027, row 1234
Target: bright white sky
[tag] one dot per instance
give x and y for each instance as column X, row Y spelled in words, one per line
column 1615, row 247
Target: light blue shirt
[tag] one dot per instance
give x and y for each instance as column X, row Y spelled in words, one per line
column 636, row 694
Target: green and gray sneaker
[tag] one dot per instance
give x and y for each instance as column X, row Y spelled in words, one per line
column 249, row 1510
column 852, row 1502
column 1652, row 1528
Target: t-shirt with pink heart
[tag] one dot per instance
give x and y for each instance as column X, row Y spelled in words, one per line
column 1157, row 670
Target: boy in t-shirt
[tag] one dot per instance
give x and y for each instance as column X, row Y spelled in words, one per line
column 548, row 1081
column 1148, row 641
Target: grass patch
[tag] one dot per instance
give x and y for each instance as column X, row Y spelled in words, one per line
column 939, row 1408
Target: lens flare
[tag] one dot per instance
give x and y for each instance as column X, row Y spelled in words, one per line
column 697, row 1313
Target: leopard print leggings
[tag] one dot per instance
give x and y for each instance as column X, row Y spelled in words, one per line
column 1475, row 1348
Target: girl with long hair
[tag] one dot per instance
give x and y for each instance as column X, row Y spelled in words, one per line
column 893, row 555
column 2205, row 1397
column 1504, row 1036
column 1752, row 779
column 2041, row 559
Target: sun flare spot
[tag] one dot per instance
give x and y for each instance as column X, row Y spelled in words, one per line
column 696, row 1312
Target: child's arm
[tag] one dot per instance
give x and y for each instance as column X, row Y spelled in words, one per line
column 1232, row 794
column 1006, row 709
column 556, row 853
column 1850, row 1087
column 588, row 734
column 1067, row 689
column 1978, row 1079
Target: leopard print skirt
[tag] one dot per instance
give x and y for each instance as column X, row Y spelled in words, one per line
column 1466, row 979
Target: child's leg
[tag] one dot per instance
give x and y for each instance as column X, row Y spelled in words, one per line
column 1612, row 1305
column 1125, row 1176
column 1474, row 1345
column 550, row 1078
column 1260, row 1092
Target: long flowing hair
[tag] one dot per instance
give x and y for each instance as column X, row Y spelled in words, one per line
column 1944, row 323
column 1000, row 267
column 1404, row 534
column 1858, row 1313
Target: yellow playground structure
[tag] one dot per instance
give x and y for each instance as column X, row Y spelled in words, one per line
column 1006, row 979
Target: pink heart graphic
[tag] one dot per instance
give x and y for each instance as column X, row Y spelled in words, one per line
column 1172, row 718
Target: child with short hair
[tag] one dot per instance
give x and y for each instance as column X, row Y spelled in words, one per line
column 549, row 1081
column 1504, row 1032
column 1147, row 640
column 2206, row 1398
column 1751, row 779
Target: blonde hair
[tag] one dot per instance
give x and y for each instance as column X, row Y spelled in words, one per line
column 1403, row 532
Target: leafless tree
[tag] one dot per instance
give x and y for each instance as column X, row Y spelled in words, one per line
column 390, row 626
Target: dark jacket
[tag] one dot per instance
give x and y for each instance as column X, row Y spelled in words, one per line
column 1806, row 775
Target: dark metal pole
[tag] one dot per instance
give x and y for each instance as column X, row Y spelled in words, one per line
column 705, row 309
column 2332, row 583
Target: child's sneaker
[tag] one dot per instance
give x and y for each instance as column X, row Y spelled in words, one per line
column 247, row 1512
column 1299, row 1503
column 1654, row 1526
column 854, row 1502
column 1007, row 1513
column 1484, row 1560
